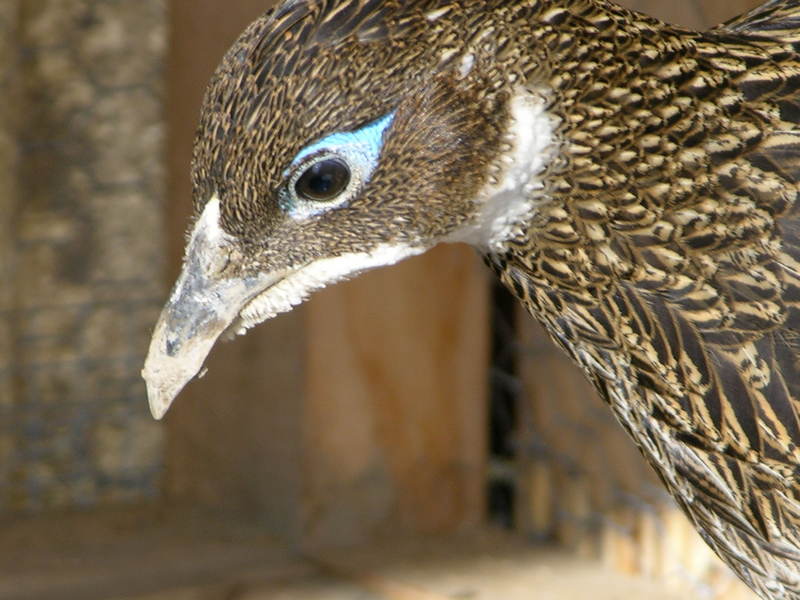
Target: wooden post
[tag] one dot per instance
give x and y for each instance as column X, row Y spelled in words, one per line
column 396, row 424
column 360, row 414
column 81, row 196
column 234, row 438
column 8, row 198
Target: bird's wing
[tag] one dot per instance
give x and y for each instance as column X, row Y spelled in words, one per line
column 777, row 18
column 729, row 342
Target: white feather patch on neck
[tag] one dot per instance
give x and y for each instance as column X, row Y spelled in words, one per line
column 507, row 206
column 298, row 285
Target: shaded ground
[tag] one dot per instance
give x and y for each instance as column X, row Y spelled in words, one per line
column 149, row 555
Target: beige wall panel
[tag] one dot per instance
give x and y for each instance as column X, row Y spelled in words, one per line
column 396, row 424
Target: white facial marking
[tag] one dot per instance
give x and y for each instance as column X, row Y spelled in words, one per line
column 208, row 223
column 208, row 228
column 509, row 204
column 296, row 286
column 437, row 14
column 467, row 62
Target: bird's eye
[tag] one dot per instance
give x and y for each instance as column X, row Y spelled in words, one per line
column 323, row 181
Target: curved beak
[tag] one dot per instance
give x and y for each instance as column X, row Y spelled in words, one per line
column 204, row 303
column 211, row 299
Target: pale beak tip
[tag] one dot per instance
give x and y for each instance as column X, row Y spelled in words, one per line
column 158, row 408
column 158, row 400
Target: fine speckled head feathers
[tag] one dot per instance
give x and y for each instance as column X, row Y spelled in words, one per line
column 315, row 68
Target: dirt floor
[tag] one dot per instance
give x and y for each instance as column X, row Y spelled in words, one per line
column 153, row 556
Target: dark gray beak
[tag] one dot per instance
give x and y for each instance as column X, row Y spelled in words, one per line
column 205, row 302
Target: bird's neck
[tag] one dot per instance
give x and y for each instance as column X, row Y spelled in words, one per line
column 650, row 122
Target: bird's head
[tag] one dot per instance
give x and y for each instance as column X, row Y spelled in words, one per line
column 338, row 137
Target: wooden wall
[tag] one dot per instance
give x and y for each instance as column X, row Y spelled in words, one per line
column 359, row 415
column 231, row 436
column 81, row 216
column 9, row 118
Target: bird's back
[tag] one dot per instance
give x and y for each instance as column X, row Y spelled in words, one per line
column 667, row 264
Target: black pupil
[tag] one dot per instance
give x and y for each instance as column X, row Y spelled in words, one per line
column 323, row 180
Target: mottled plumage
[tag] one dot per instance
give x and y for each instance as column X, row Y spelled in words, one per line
column 655, row 234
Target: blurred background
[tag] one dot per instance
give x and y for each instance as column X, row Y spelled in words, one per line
column 405, row 436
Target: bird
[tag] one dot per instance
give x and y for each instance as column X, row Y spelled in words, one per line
column 633, row 183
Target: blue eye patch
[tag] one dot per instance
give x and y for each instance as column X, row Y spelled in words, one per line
column 340, row 163
column 363, row 145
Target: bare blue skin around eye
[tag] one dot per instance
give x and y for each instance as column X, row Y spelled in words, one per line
column 361, row 148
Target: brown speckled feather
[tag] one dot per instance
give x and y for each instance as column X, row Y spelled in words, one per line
column 668, row 266
column 776, row 18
